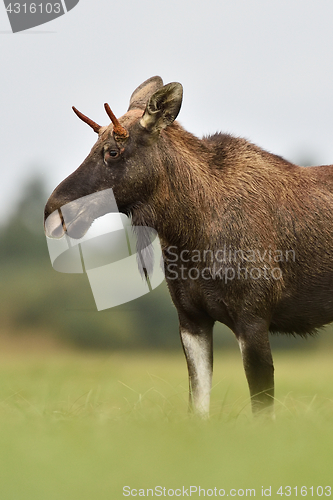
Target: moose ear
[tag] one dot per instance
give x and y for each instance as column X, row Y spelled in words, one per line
column 140, row 96
column 163, row 107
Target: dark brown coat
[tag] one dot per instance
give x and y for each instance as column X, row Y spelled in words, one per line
column 246, row 235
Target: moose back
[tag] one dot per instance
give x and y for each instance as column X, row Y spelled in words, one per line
column 246, row 236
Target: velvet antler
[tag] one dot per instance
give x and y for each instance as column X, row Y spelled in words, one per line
column 118, row 129
column 87, row 120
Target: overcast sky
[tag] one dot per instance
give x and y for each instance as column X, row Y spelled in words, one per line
column 261, row 69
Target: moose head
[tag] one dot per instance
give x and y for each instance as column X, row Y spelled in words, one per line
column 123, row 158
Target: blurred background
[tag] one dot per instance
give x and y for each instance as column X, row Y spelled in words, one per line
column 257, row 69
column 80, row 415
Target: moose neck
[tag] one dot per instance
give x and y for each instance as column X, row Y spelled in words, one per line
column 180, row 208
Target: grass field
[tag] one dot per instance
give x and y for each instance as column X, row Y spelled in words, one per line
column 83, row 426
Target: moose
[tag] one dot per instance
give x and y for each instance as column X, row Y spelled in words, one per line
column 246, row 236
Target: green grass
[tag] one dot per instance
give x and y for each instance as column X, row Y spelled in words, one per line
column 83, row 426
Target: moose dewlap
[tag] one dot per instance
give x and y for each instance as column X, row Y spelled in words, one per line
column 246, row 236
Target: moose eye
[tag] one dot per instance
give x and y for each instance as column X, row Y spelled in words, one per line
column 110, row 154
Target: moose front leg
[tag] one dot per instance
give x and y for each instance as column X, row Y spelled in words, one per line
column 258, row 366
column 198, row 348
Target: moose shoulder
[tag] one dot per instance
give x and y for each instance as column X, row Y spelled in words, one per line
column 246, row 236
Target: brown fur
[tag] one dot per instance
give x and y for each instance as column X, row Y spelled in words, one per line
column 218, row 193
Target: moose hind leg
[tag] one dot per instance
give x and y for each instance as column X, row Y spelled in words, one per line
column 198, row 348
column 258, row 366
